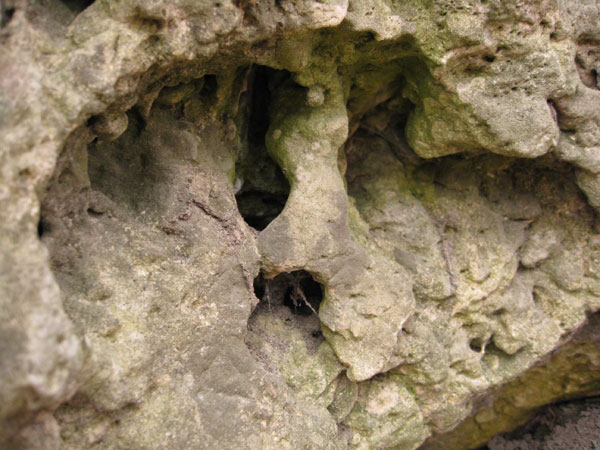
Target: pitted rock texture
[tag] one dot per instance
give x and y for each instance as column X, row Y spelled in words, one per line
column 433, row 166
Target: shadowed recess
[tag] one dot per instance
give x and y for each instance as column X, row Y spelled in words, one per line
column 297, row 290
column 262, row 188
column 78, row 6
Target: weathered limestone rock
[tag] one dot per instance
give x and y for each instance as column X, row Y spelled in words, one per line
column 570, row 373
column 432, row 166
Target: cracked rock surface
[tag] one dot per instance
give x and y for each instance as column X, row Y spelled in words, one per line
column 295, row 224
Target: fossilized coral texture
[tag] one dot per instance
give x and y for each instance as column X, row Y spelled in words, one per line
column 433, row 166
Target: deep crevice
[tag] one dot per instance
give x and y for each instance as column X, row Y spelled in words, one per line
column 264, row 189
column 42, row 227
column 259, row 99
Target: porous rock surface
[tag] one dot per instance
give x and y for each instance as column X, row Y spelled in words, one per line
column 433, row 165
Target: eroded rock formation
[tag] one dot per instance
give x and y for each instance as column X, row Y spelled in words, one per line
column 295, row 223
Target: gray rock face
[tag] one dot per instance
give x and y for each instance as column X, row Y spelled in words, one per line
column 294, row 224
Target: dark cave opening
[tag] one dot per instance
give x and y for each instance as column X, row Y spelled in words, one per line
column 296, row 290
column 264, row 189
column 259, row 208
column 6, row 15
column 77, row 6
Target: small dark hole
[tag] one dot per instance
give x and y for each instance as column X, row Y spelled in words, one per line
column 296, row 290
column 25, row 173
column 94, row 213
column 259, row 287
column 210, row 85
column 489, row 58
column 450, row 229
column 42, row 228
column 137, row 122
column 92, row 121
column 370, row 37
column 476, row 345
column 7, row 15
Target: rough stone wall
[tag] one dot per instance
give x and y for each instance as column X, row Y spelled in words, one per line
column 295, row 223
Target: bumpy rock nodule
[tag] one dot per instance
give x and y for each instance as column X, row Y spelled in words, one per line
column 442, row 185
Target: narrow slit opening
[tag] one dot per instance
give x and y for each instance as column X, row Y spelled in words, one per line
column 262, row 187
